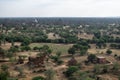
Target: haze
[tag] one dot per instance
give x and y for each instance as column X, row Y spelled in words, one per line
column 59, row 8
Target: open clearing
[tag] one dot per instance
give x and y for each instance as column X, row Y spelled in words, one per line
column 63, row 48
column 52, row 36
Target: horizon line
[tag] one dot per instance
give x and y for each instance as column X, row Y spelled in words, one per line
column 63, row 17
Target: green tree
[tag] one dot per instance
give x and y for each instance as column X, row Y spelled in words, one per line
column 105, row 68
column 12, row 43
column 50, row 74
column 116, row 66
column 36, row 48
column 4, row 74
column 2, row 38
column 58, row 53
column 38, row 78
column 13, row 49
column 2, row 52
column 25, row 48
column 26, row 42
column 4, row 67
column 83, row 52
column 97, row 69
column 91, row 57
column 71, row 70
column 109, row 52
column 79, row 75
column 71, row 51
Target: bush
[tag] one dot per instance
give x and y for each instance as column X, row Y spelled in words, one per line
column 91, row 57
column 71, row 70
column 25, row 48
column 109, row 52
column 38, row 78
column 59, row 62
column 36, row 48
column 55, row 58
column 12, row 79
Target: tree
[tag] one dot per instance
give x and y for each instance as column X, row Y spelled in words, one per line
column 116, row 66
column 71, row 51
column 91, row 57
column 26, row 42
column 97, row 34
column 25, row 48
column 10, row 54
column 97, row 69
column 58, row 53
column 49, row 51
column 83, row 50
column 4, row 67
column 38, row 78
column 36, row 48
column 105, row 68
column 113, row 45
column 2, row 38
column 0, row 42
column 109, row 52
column 20, row 70
column 12, row 43
column 79, row 75
column 71, row 70
column 81, row 47
column 4, row 74
column 50, row 74
column 45, row 47
column 13, row 49
column 56, row 58
column 2, row 52
column 104, row 45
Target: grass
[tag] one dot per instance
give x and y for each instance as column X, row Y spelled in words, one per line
column 55, row 47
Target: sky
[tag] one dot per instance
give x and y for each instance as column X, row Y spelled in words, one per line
column 59, row 8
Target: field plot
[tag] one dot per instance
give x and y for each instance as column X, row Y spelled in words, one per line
column 53, row 36
column 7, row 45
column 55, row 47
column 85, row 36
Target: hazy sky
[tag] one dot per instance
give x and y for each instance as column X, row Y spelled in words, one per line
column 59, row 8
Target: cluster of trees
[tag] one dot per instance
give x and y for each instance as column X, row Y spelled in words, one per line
column 81, row 47
column 91, row 58
column 49, row 75
column 2, row 52
column 74, row 73
column 103, row 69
column 4, row 73
column 44, row 50
column 56, row 58
column 11, row 52
column 28, row 28
column 115, row 46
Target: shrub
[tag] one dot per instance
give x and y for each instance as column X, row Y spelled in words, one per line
column 38, row 78
column 71, row 70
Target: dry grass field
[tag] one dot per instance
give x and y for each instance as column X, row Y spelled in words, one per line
column 7, row 45
column 103, row 50
column 85, row 36
column 51, row 36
